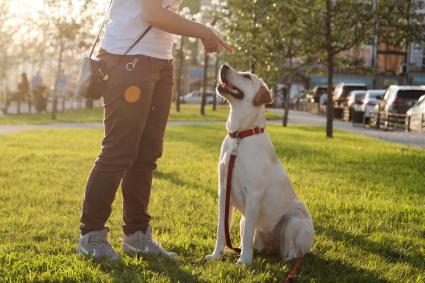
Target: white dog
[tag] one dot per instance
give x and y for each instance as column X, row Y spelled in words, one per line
column 273, row 217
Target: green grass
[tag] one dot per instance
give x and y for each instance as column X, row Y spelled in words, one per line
column 188, row 113
column 366, row 198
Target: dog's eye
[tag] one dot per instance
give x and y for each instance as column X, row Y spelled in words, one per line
column 247, row 76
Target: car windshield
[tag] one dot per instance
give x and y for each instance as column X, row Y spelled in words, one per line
column 375, row 94
column 409, row 95
column 421, row 100
column 321, row 90
column 359, row 95
column 347, row 89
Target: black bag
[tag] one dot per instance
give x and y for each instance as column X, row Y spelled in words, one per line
column 94, row 74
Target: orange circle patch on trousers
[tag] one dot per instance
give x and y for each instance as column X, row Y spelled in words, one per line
column 132, row 94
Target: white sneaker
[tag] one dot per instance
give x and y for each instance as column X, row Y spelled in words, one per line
column 95, row 245
column 142, row 243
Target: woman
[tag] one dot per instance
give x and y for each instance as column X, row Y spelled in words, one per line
column 137, row 104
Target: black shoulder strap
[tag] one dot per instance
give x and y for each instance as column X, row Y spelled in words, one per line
column 141, row 36
column 138, row 40
column 101, row 28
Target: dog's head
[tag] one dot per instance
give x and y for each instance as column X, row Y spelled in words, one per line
column 243, row 89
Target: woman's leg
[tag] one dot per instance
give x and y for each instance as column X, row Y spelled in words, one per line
column 127, row 104
column 137, row 180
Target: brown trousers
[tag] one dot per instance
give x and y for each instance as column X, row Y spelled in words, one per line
column 137, row 105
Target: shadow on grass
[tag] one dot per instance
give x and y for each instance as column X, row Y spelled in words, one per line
column 134, row 270
column 176, row 180
column 318, row 269
column 383, row 249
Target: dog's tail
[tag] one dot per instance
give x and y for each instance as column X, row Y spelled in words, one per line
column 296, row 233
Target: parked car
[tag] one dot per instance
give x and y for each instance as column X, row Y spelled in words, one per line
column 365, row 108
column 342, row 90
column 392, row 108
column 355, row 97
column 415, row 116
column 318, row 91
column 195, row 97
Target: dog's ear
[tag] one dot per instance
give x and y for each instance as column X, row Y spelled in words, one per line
column 263, row 96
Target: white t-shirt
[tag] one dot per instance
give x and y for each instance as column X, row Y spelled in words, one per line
column 125, row 26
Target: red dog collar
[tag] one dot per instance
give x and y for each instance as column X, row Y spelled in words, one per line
column 247, row 133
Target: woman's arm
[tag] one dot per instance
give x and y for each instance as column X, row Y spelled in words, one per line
column 155, row 15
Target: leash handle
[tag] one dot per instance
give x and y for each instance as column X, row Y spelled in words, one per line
column 293, row 272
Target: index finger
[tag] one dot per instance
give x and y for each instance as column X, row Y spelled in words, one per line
column 227, row 46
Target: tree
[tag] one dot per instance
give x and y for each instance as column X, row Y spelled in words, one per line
column 69, row 22
column 7, row 42
column 330, row 27
column 265, row 33
column 398, row 24
column 212, row 15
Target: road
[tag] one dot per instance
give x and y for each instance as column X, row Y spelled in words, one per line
column 295, row 118
column 306, row 118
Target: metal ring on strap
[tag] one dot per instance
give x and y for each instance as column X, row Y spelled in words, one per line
column 130, row 66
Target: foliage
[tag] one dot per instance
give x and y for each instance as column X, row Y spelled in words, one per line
column 399, row 23
column 366, row 198
column 188, row 113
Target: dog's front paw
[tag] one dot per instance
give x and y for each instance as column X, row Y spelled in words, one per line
column 244, row 261
column 214, row 256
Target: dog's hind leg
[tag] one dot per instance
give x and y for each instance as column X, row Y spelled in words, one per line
column 259, row 244
column 296, row 236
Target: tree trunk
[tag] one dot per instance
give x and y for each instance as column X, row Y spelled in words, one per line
column 204, row 85
column 407, row 53
column 329, row 104
column 286, row 108
column 288, row 93
column 55, row 91
column 179, row 75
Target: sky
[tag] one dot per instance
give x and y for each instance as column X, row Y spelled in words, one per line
column 26, row 6
column 31, row 6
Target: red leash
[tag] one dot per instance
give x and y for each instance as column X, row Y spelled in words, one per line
column 227, row 208
column 239, row 136
column 293, row 272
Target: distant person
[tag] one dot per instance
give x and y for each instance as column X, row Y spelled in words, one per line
column 62, row 81
column 36, row 82
column 137, row 104
column 23, row 87
column 38, row 91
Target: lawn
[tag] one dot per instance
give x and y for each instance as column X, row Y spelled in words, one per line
column 366, row 198
column 188, row 113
